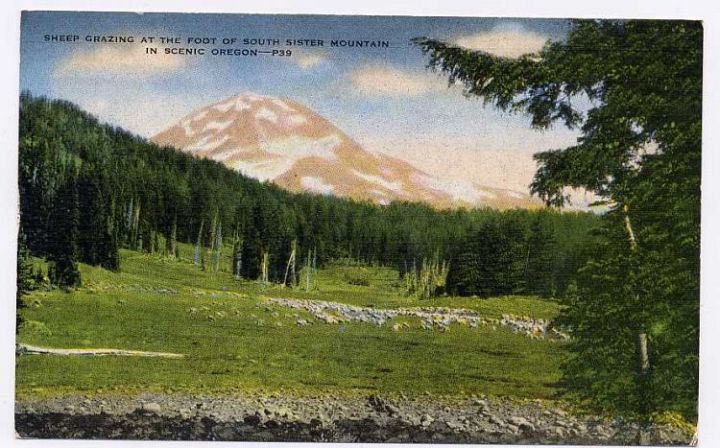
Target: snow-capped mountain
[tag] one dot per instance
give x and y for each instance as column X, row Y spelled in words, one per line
column 280, row 140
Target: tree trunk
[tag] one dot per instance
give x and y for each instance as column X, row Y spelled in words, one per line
column 643, row 384
column 308, row 272
column 136, row 227
column 264, row 267
column 129, row 218
column 238, row 263
column 237, row 257
column 628, row 228
column 173, row 238
column 290, row 268
column 156, row 242
column 198, row 244
column 217, row 254
column 213, row 240
column 641, row 343
column 644, row 362
column 293, row 271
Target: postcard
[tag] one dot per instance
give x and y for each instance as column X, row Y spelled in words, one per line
column 328, row 228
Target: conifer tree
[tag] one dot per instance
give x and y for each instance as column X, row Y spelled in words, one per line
column 640, row 151
column 137, row 192
column 63, row 245
column 539, row 278
column 24, row 276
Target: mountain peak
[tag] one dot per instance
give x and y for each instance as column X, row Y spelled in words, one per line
column 248, row 95
column 283, row 141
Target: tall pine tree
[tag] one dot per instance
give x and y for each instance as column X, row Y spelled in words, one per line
column 63, row 254
column 640, row 151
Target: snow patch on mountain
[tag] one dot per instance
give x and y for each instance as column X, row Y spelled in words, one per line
column 460, row 191
column 282, row 104
column 241, row 105
column 282, row 154
column 266, row 114
column 296, row 148
column 237, row 103
column 316, row 184
column 186, row 127
column 200, row 115
column 200, row 145
column 208, row 143
column 217, row 125
column 395, row 186
column 216, row 143
column 264, row 170
column 296, row 120
column 253, row 97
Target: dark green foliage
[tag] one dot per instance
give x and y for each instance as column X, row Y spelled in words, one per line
column 478, row 268
column 97, row 240
column 25, row 276
column 130, row 192
column 640, row 150
column 63, row 243
column 511, row 255
column 521, row 252
column 465, row 274
column 540, row 257
column 617, row 296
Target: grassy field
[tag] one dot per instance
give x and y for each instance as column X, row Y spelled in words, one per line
column 234, row 343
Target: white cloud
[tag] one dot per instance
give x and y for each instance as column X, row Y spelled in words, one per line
column 388, row 81
column 500, row 158
column 128, row 104
column 308, row 61
column 509, row 43
column 126, row 60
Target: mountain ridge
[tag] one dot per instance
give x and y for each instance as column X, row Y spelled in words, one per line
column 283, row 141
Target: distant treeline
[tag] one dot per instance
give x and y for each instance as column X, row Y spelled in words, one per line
column 88, row 189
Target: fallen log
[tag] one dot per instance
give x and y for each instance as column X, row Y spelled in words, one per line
column 24, row 349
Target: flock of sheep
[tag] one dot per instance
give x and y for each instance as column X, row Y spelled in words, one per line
column 431, row 318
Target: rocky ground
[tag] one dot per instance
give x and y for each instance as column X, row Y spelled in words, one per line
column 432, row 318
column 370, row 418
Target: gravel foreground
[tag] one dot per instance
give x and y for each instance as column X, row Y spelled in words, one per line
column 324, row 419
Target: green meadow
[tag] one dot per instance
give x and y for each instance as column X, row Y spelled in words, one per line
column 233, row 342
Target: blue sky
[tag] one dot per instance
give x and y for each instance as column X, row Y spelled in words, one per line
column 384, row 98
